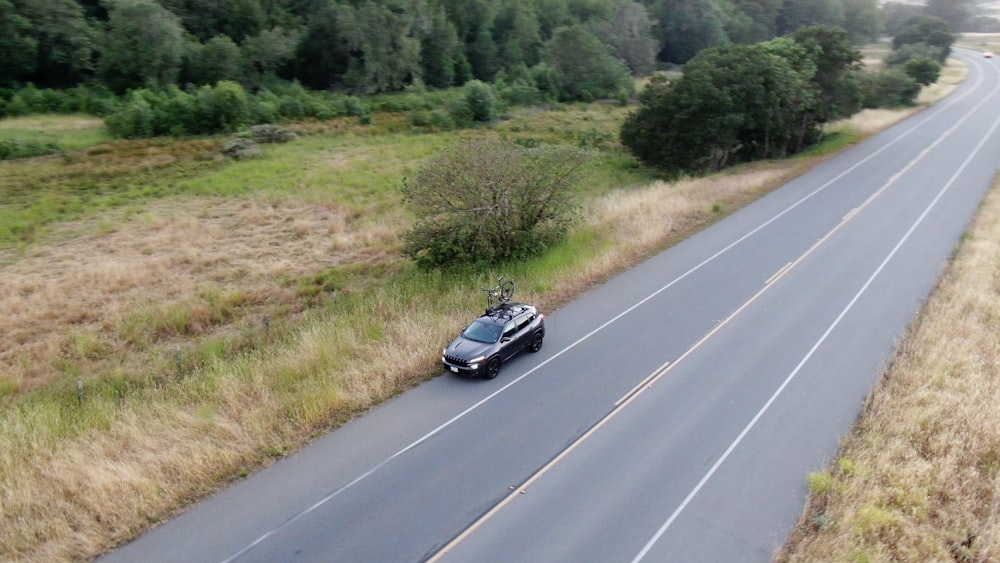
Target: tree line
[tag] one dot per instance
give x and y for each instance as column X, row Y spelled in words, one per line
column 371, row 46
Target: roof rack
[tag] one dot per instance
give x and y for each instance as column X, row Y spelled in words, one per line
column 505, row 311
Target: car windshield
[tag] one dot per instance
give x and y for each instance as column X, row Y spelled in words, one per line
column 483, row 332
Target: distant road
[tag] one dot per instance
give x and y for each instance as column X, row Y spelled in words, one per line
column 673, row 413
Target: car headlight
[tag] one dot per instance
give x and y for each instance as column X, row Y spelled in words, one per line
column 477, row 360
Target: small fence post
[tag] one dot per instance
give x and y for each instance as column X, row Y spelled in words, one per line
column 79, row 391
column 267, row 326
column 177, row 357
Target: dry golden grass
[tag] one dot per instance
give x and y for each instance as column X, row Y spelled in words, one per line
column 53, row 122
column 71, row 299
column 644, row 218
column 168, row 447
column 67, row 495
column 980, row 41
column 919, row 478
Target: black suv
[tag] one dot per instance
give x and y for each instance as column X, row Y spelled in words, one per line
column 495, row 337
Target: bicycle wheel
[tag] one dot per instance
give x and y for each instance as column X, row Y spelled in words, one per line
column 506, row 290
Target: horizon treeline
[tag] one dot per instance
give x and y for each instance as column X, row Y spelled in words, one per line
column 381, row 46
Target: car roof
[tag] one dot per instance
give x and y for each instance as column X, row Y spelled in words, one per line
column 504, row 312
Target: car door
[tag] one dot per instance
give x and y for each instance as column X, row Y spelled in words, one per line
column 522, row 333
column 508, row 340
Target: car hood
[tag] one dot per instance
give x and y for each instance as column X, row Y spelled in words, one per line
column 467, row 349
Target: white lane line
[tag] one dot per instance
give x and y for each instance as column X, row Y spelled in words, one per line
column 746, row 430
column 449, row 422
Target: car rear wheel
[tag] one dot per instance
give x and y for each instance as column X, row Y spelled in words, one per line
column 492, row 368
column 536, row 342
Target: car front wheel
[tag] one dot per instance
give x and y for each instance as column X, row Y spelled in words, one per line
column 492, row 368
column 536, row 342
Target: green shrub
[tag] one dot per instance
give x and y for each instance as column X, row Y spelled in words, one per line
column 17, row 106
column 820, row 483
column 490, row 201
column 442, row 120
column 16, row 148
column 231, row 110
column 135, row 118
column 263, row 107
column 481, row 100
column 904, row 53
column 889, row 88
column 923, row 70
column 420, row 118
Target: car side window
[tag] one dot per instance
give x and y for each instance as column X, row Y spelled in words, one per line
column 510, row 329
column 524, row 321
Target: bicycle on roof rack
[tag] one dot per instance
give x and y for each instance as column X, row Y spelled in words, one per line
column 500, row 294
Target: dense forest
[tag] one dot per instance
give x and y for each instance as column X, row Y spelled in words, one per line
column 176, row 67
column 371, row 46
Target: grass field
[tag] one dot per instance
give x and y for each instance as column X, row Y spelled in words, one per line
column 220, row 314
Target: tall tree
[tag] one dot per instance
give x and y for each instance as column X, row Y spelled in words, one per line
column 385, row 46
column 685, row 27
column 65, row 42
column 930, row 30
column 18, row 48
column 957, row 13
column 552, row 14
column 521, row 40
column 862, row 20
column 217, row 59
column 584, row 11
column 265, row 52
column 205, row 19
column 143, row 45
column 733, row 104
column 630, row 34
column 896, row 14
column 473, row 21
column 751, row 21
column 795, row 14
column 584, row 68
column 439, row 49
column 324, row 53
column 834, row 58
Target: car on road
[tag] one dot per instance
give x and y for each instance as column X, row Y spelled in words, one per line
column 988, row 54
column 495, row 337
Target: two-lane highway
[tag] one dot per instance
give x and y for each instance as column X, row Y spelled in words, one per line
column 673, row 413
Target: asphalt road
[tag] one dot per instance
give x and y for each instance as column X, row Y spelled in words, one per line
column 673, row 413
